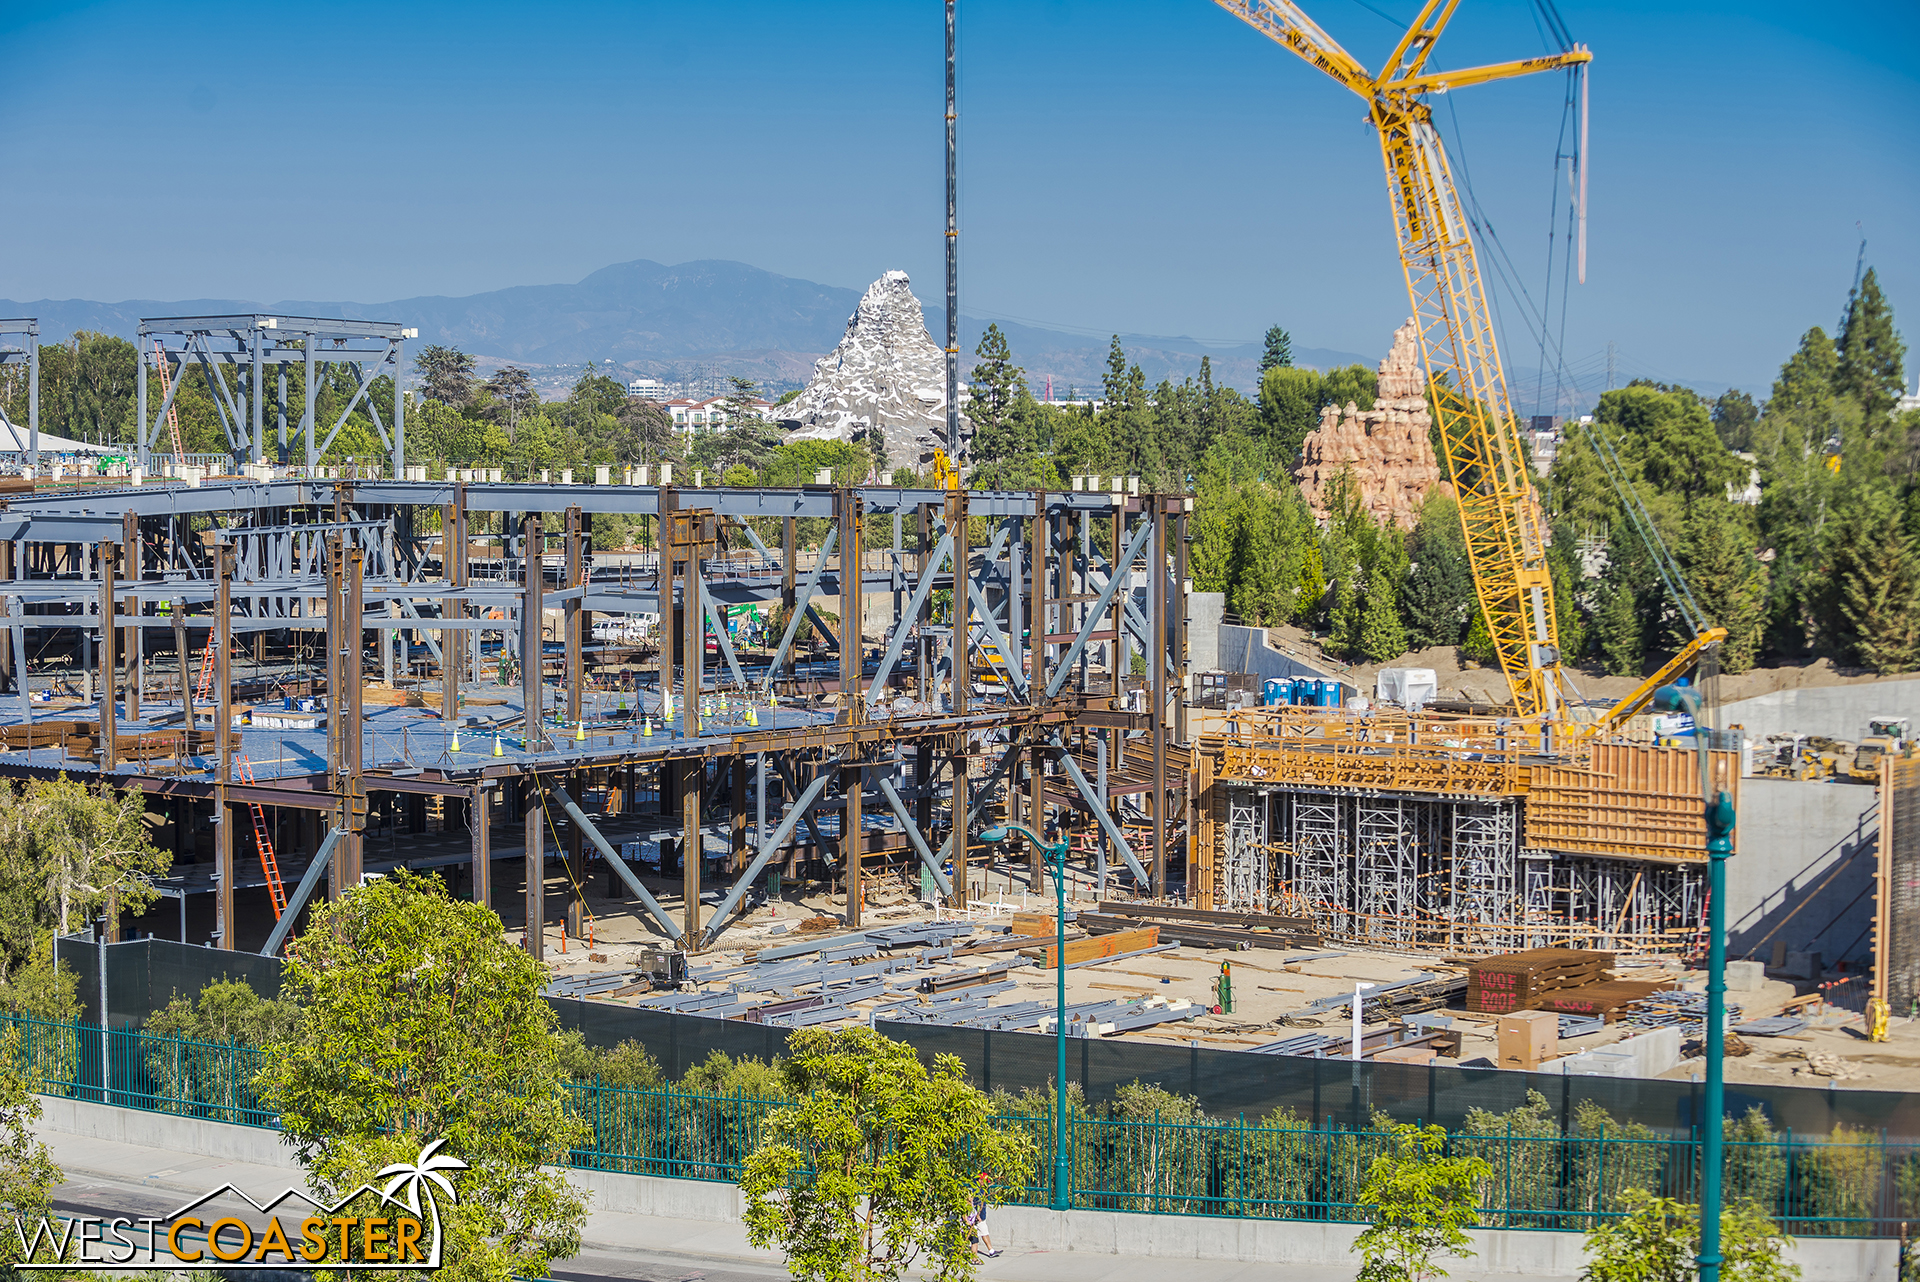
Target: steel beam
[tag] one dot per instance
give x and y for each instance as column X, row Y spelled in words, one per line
column 768, row 849
column 620, row 869
column 309, row 882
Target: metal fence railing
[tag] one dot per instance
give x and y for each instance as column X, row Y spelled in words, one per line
column 1849, row 1183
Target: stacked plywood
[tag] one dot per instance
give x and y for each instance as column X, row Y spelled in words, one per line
column 1519, row 981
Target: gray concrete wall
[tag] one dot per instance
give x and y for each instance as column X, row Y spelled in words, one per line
column 1246, row 650
column 1804, row 871
column 1540, row 1253
column 1839, row 712
column 1203, row 630
column 165, row 1131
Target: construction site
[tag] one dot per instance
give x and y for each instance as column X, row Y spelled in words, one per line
column 318, row 674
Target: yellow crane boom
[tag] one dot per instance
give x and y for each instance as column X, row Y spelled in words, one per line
column 1486, row 459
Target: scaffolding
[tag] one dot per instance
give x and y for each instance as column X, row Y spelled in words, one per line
column 1246, row 880
column 1481, row 867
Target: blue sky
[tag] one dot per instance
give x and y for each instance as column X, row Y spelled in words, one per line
column 1151, row 167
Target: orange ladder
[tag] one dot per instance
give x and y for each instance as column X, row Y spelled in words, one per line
column 173, row 414
column 263, row 835
column 205, row 683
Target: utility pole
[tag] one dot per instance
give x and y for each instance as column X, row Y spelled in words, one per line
column 953, row 261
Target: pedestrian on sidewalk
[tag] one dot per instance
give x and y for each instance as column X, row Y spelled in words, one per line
column 977, row 1217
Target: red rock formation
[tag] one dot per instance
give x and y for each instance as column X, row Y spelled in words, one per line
column 1387, row 447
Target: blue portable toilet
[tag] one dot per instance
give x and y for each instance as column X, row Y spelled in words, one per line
column 1329, row 694
column 1271, row 693
column 1282, row 691
column 1306, row 691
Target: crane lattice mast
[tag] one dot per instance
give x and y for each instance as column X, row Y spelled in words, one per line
column 1486, row 457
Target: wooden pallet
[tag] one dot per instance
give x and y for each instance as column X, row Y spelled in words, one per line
column 1517, row 981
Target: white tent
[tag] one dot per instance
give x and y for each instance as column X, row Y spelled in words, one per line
column 1409, row 687
column 15, row 439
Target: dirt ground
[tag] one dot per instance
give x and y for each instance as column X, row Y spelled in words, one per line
column 1271, row 988
column 1459, row 678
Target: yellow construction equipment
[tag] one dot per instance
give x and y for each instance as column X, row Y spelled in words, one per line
column 945, row 474
column 1638, row 697
column 1486, row 457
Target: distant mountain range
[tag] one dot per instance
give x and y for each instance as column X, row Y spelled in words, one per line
column 710, row 318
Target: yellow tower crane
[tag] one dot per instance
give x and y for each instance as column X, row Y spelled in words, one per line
column 1486, row 457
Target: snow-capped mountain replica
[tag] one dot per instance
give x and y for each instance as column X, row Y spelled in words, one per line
column 887, row 373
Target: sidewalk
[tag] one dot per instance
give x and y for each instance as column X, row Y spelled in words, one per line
column 103, row 1175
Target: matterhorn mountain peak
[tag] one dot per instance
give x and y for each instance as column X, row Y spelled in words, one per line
column 886, row 375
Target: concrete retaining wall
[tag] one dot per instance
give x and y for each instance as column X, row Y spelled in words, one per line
column 1839, row 712
column 1534, row 1253
column 1179, row 1237
column 1246, row 650
column 1805, row 864
column 165, row 1131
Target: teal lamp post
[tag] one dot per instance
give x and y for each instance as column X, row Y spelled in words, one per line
column 1720, row 818
column 1056, row 854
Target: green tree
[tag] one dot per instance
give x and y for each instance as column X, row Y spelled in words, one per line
column 446, row 374
column 1002, row 446
column 424, row 1023
column 91, row 848
column 1277, row 353
column 894, row 1152
column 1734, row 415
column 513, row 396
column 28, row 1175
column 1875, row 573
column 1437, row 599
column 1382, row 637
column 1658, row 1240
column 1729, row 581
column 1799, row 432
column 1870, row 354
column 1350, row 384
column 1420, row 1203
column 1290, row 401
column 228, row 1010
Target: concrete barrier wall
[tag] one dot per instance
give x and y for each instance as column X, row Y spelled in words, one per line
column 165, row 1131
column 1537, row 1253
column 1188, row 1237
column 1805, row 862
column 1839, row 712
column 1246, row 650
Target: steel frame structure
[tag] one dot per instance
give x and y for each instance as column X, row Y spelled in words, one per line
column 259, row 343
column 1036, row 609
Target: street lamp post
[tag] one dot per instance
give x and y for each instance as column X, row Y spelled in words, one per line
column 1056, row 853
column 1720, row 822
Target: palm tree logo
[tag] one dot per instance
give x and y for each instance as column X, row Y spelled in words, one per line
column 412, row 1177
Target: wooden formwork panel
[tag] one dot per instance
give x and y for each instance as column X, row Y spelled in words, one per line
column 1374, row 767
column 1630, row 801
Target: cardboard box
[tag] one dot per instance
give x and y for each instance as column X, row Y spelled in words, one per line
column 1528, row 1039
column 1406, row 1055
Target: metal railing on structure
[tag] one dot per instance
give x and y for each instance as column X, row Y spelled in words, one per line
column 1846, row 1184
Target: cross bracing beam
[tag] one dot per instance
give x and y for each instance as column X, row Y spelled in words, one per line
column 614, row 861
column 309, row 882
column 1092, row 798
column 1063, row 666
column 802, row 805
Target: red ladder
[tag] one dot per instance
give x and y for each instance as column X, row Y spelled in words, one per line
column 206, row 673
column 173, row 414
column 263, row 836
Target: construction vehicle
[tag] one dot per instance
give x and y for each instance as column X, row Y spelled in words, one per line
column 1885, row 735
column 1793, row 756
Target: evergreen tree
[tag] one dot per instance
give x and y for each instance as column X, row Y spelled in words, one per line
column 1617, row 630
column 1875, row 570
column 1870, row 354
column 1344, row 625
column 1001, row 451
column 1278, row 353
column 1798, row 436
column 1478, row 647
column 1437, row 599
column 1290, row 401
column 1381, row 635
column 1727, row 579
column 446, row 374
column 1733, row 418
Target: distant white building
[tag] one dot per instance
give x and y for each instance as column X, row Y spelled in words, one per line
column 1910, row 402
column 711, row 414
column 651, row 388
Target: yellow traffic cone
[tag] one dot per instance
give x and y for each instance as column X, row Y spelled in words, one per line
column 773, row 700
column 666, row 706
column 499, row 749
column 455, row 745
column 580, row 733
column 751, row 719
column 646, row 727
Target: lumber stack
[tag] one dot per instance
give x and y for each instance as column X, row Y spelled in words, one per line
column 1099, row 946
column 1209, row 928
column 1606, row 999
column 1520, row 981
